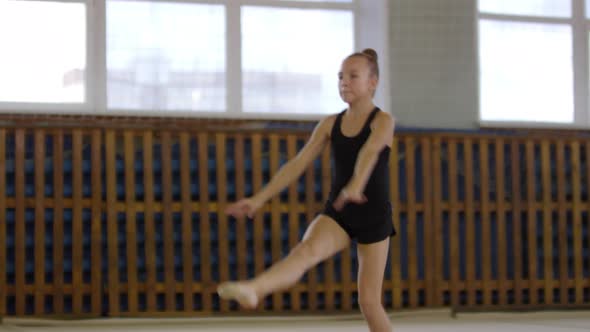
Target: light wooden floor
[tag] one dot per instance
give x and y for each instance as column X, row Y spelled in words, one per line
column 434, row 321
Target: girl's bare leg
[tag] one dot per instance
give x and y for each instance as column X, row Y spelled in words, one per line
column 322, row 239
column 372, row 259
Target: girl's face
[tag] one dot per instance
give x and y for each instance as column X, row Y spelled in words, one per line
column 355, row 80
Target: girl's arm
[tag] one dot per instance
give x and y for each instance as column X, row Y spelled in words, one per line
column 294, row 167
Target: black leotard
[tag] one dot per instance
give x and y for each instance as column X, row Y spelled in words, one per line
column 371, row 221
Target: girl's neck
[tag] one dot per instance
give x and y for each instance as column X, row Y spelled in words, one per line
column 361, row 107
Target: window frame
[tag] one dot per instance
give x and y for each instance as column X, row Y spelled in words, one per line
column 370, row 30
column 580, row 26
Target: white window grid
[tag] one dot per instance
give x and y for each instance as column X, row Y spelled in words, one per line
column 370, row 30
column 580, row 25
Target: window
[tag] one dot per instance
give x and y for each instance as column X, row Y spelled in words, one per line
column 299, row 72
column 539, row 8
column 165, row 56
column 528, row 58
column 248, row 58
column 526, row 72
column 43, row 57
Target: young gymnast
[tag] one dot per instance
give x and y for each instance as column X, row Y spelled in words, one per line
column 358, row 207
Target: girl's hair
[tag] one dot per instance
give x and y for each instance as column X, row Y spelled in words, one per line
column 371, row 56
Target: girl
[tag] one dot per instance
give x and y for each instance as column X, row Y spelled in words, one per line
column 358, row 206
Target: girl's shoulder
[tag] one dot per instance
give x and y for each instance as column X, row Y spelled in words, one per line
column 329, row 120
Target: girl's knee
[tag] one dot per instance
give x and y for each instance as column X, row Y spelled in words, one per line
column 370, row 303
column 306, row 254
column 306, row 251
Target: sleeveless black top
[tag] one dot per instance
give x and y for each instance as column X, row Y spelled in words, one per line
column 345, row 150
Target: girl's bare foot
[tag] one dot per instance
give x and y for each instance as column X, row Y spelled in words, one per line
column 241, row 292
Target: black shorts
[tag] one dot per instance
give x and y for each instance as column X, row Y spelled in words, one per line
column 367, row 223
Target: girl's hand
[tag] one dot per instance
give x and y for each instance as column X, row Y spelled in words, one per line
column 243, row 207
column 348, row 196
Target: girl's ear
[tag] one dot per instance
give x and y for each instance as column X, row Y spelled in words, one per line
column 374, row 81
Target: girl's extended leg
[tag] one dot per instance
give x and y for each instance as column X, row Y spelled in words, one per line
column 322, row 239
column 372, row 259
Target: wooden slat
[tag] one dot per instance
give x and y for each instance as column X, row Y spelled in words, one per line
column 77, row 222
column 130, row 225
column 112, row 245
column 205, row 227
column 435, row 232
column 3, row 257
column 241, row 247
column 293, row 218
column 577, row 220
column 187, row 223
column 501, row 222
column 150, row 230
column 428, row 225
column 470, row 222
column 277, row 303
column 411, row 227
column 258, row 217
column 312, row 284
column 531, row 221
column 513, row 308
column 39, row 220
column 58, row 224
column 169, row 276
column 198, row 287
column 328, row 264
column 213, row 207
column 96, row 227
column 562, row 228
column 220, row 143
column 539, row 283
column 547, row 220
column 486, row 230
column 432, row 208
column 19, row 241
column 454, row 235
column 396, row 275
column 517, row 207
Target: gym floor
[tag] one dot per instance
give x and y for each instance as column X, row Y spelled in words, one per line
column 431, row 321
